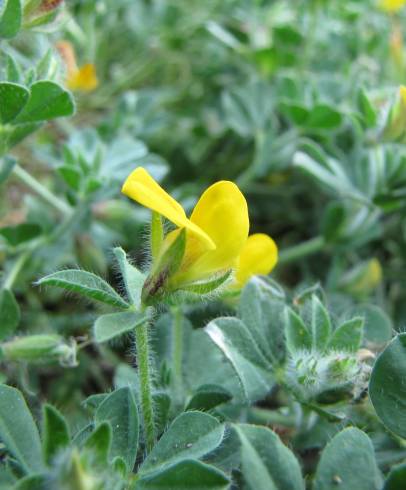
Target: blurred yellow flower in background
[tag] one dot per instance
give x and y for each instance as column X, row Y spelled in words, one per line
column 82, row 78
column 364, row 278
column 391, row 6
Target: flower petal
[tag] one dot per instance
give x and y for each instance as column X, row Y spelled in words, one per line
column 141, row 187
column 259, row 256
column 222, row 213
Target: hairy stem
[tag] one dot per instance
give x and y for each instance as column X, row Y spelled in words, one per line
column 145, row 375
column 177, row 350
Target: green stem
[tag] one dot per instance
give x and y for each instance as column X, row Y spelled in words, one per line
column 16, row 269
column 249, row 174
column 302, row 250
column 263, row 416
column 177, row 350
column 41, row 190
column 145, row 372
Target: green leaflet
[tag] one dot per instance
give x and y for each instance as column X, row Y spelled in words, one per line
column 84, row 283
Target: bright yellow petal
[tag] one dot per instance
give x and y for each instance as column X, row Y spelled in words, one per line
column 84, row 78
column 222, row 213
column 141, row 187
column 259, row 256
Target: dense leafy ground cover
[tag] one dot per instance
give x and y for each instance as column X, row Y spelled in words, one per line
column 142, row 350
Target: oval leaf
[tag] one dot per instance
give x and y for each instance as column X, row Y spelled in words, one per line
column 348, row 336
column 10, row 21
column 239, row 347
column 185, row 475
column 55, row 434
column 84, row 283
column 387, row 387
column 120, row 410
column 13, row 98
column 47, row 101
column 348, row 461
column 20, row 233
column 297, row 336
column 112, row 325
column 207, row 397
column 267, row 464
column 18, row 431
column 191, row 435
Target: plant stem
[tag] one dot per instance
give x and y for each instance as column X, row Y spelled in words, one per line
column 16, row 269
column 144, row 372
column 249, row 174
column 41, row 190
column 304, row 249
column 264, row 416
column 177, row 350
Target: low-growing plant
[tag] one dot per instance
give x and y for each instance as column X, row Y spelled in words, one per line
column 170, row 343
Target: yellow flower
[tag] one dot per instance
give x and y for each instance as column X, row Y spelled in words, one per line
column 259, row 256
column 391, row 6
column 84, row 78
column 216, row 232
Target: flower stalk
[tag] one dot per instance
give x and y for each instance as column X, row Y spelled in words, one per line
column 145, row 376
column 177, row 350
column 42, row 191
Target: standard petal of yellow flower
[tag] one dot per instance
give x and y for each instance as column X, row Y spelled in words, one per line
column 84, row 78
column 222, row 213
column 259, row 256
column 391, row 6
column 141, row 187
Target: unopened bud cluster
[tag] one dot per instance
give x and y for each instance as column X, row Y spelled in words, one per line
column 310, row 373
